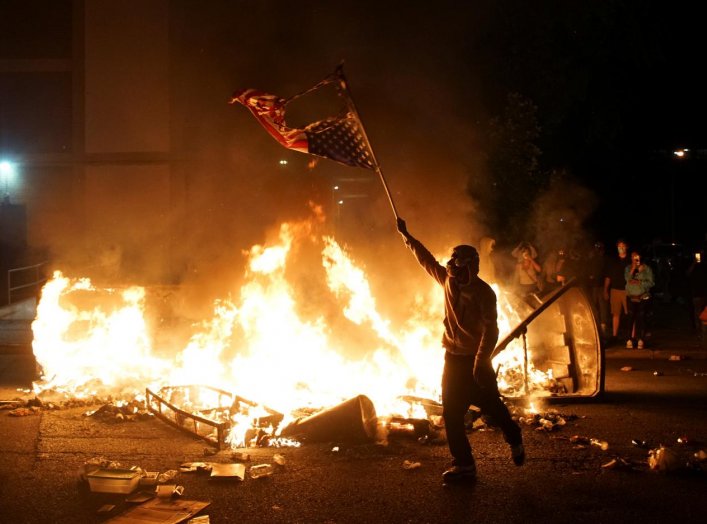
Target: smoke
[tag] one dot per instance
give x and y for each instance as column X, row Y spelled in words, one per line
column 560, row 214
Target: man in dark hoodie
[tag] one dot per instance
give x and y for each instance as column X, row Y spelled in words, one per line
column 470, row 336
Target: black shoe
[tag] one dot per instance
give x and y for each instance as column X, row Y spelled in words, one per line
column 518, row 454
column 459, row 474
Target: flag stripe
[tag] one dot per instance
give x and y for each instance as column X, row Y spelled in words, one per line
column 338, row 139
column 269, row 110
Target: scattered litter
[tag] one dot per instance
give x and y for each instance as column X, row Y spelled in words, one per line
column 657, row 373
column 602, row 444
column 588, row 441
column 663, row 459
column 191, row 467
column 407, row 464
column 240, row 456
column 121, row 412
column 203, row 519
column 113, row 480
column 106, row 508
column 279, row 459
column 627, row 368
column 149, row 478
column 618, row 463
column 96, row 463
column 160, row 510
column 261, row 471
column 335, row 449
column 227, row 471
column 677, row 357
column 168, row 475
column 166, row 491
column 24, row 412
column 549, row 421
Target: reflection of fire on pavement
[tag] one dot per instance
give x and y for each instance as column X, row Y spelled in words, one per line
column 279, row 347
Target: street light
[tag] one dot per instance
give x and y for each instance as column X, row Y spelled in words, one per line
column 7, row 173
column 680, row 154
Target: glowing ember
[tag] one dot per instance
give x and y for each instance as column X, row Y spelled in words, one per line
column 270, row 344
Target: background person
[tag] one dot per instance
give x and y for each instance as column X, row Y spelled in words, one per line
column 639, row 281
column 526, row 277
column 615, row 286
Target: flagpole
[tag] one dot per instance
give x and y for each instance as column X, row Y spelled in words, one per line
column 352, row 107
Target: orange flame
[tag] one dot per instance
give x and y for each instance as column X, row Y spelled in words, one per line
column 260, row 346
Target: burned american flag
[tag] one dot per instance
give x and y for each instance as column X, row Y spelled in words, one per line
column 337, row 138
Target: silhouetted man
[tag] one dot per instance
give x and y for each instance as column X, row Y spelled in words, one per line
column 470, row 336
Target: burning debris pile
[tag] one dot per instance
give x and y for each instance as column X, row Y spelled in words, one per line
column 21, row 407
column 290, row 354
column 131, row 411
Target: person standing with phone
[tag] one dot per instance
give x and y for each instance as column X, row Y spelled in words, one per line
column 639, row 281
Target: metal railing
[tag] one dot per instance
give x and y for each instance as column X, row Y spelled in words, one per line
column 28, row 276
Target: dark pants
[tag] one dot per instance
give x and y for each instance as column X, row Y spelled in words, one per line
column 459, row 391
column 637, row 314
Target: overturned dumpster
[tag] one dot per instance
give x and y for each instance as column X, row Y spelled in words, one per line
column 560, row 338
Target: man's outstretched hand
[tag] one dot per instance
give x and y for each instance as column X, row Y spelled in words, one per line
column 403, row 228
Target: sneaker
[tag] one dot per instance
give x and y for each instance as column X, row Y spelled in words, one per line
column 518, row 454
column 640, row 344
column 629, row 344
column 459, row 474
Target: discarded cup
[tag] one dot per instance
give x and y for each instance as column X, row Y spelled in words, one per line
column 169, row 490
column 603, row 444
column 261, row 470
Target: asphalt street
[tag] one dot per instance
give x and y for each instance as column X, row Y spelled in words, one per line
column 650, row 400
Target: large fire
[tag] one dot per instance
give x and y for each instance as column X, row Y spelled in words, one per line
column 269, row 343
